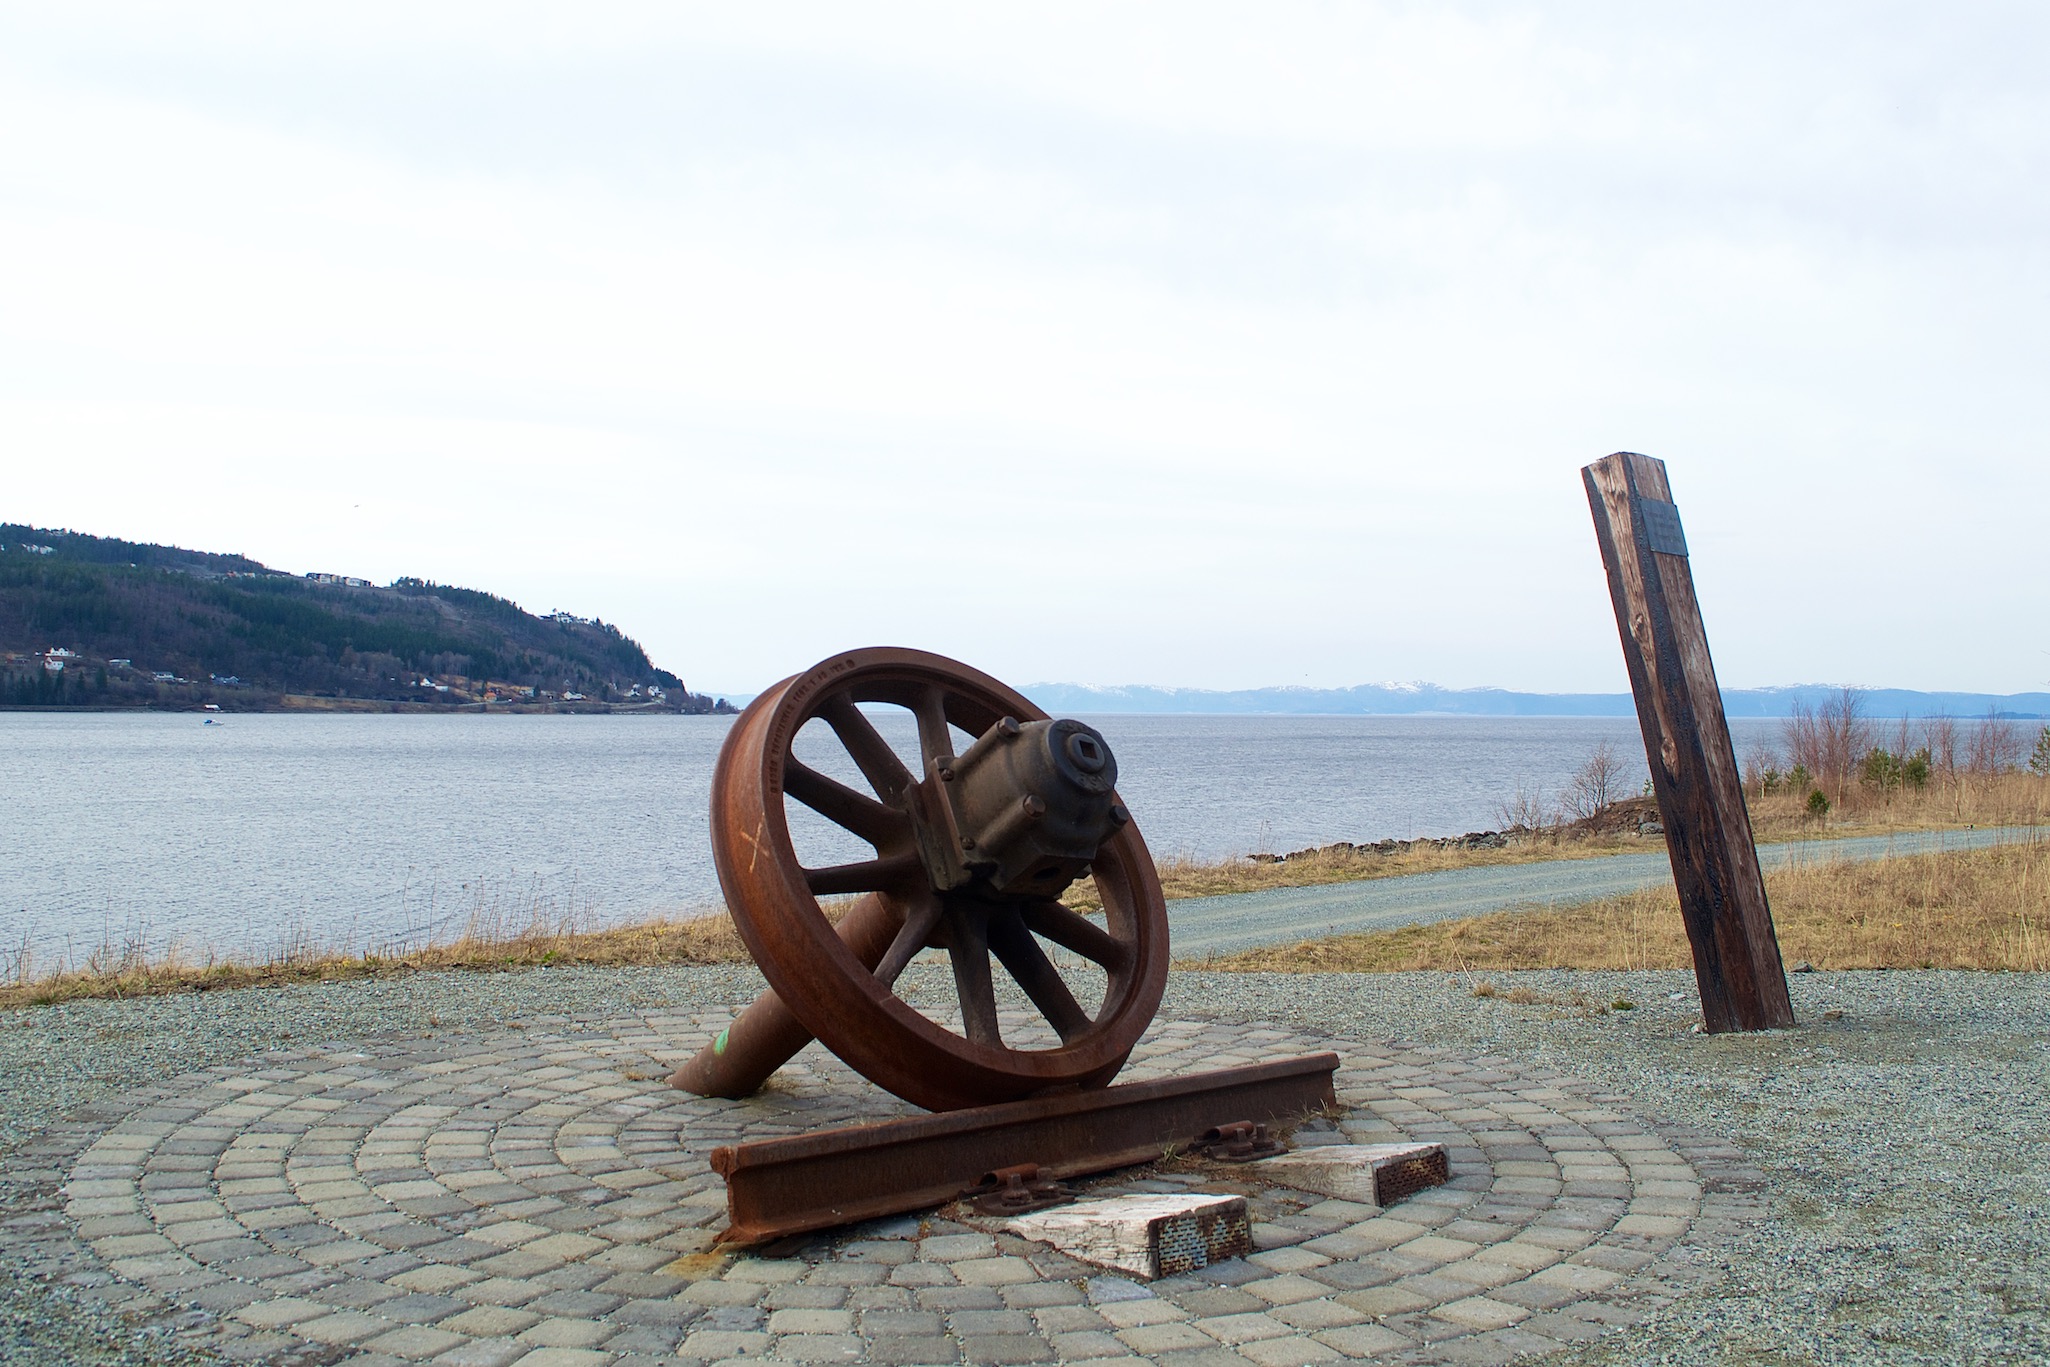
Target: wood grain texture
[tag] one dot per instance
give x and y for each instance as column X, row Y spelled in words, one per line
column 1346, row 1172
column 1693, row 764
column 1146, row 1234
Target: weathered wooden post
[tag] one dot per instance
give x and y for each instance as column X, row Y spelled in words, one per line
column 1687, row 740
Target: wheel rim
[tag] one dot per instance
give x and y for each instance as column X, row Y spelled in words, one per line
column 855, row 1011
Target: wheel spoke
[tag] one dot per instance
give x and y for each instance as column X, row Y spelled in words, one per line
column 919, row 922
column 870, row 875
column 872, row 754
column 841, row 805
column 933, row 736
column 1026, row 962
column 970, row 953
column 1070, row 929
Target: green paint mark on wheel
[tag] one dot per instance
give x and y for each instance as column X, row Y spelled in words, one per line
column 719, row 1044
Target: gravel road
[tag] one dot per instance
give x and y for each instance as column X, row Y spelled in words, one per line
column 1219, row 925
column 1906, row 1140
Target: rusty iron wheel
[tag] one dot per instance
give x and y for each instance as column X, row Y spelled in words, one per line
column 856, row 1011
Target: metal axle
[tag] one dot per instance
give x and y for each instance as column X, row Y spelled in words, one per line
column 767, row 1035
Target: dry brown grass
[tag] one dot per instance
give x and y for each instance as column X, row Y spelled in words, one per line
column 1632, row 932
column 128, row 972
column 1967, row 909
column 1962, row 799
column 1184, row 877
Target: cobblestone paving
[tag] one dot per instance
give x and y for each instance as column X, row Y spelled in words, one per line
column 538, row 1196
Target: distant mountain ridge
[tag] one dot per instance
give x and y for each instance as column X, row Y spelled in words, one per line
column 1427, row 699
column 90, row 621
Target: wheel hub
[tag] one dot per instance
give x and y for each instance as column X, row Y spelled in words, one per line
column 1021, row 813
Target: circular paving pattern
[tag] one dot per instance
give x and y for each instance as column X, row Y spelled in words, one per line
column 539, row 1196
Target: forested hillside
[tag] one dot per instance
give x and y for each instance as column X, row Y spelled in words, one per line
column 95, row 621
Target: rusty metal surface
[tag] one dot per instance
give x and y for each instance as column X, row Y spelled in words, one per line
column 1242, row 1141
column 1023, row 810
column 778, row 1187
column 971, row 852
column 766, row 1036
column 1017, row 1190
column 1203, row 1237
column 1393, row 1181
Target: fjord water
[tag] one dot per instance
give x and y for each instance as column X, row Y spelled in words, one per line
column 263, row 831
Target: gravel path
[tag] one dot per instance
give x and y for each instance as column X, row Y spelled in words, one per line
column 1904, row 1140
column 1218, row 925
column 1906, row 1144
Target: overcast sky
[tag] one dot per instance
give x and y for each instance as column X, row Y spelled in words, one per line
column 1174, row 344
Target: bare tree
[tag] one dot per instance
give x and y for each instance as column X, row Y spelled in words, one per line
column 1995, row 746
column 1939, row 734
column 1596, row 786
column 1804, row 738
column 1761, row 768
column 1829, row 739
column 1525, row 813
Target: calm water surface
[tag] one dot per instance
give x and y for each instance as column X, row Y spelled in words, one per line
column 371, row 831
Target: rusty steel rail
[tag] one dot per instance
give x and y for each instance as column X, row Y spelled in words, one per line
column 799, row 1183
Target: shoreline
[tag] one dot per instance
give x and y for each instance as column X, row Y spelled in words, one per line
column 381, row 707
column 1447, row 941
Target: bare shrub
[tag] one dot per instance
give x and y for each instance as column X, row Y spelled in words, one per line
column 1940, row 739
column 1597, row 785
column 1830, row 739
column 1761, row 769
column 1525, row 813
column 1995, row 746
column 1901, row 742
